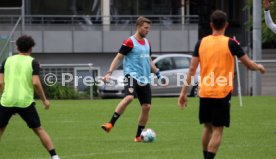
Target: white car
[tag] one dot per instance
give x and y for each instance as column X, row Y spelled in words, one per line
column 172, row 66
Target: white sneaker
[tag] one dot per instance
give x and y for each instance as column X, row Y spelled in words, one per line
column 55, row 157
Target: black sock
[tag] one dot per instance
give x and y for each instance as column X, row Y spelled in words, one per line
column 205, row 154
column 115, row 116
column 52, row 152
column 139, row 130
column 210, row 155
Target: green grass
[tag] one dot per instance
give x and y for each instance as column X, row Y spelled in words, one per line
column 74, row 126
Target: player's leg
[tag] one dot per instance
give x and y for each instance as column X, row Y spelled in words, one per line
column 142, row 120
column 214, row 141
column 123, row 104
column 220, row 119
column 31, row 117
column 129, row 96
column 44, row 138
column 118, row 112
column 144, row 96
column 130, row 90
column 46, row 141
column 206, row 136
column 5, row 115
column 144, row 115
column 205, row 117
column 2, row 131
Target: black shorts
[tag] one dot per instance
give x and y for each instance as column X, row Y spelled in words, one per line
column 143, row 92
column 215, row 111
column 28, row 114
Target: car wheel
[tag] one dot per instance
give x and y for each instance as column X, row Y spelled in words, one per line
column 194, row 92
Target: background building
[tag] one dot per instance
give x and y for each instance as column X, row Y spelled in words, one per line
column 92, row 31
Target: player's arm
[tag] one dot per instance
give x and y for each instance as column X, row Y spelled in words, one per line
column 37, row 84
column 268, row 20
column 154, row 69
column 251, row 65
column 116, row 61
column 182, row 99
column 236, row 50
column 124, row 50
column 2, row 83
column 38, row 87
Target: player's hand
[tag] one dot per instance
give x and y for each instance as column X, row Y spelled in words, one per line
column 46, row 104
column 164, row 81
column 106, row 77
column 182, row 101
column 267, row 4
column 261, row 68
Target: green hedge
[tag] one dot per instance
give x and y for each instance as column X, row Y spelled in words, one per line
column 60, row 92
column 95, row 91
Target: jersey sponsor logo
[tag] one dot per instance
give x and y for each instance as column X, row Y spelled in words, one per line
column 144, row 56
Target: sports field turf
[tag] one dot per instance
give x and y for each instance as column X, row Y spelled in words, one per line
column 74, row 126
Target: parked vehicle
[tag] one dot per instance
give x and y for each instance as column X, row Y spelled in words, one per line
column 172, row 66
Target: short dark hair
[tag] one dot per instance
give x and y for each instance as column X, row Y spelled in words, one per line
column 141, row 20
column 219, row 19
column 24, row 43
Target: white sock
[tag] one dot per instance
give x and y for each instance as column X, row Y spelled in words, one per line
column 55, row 157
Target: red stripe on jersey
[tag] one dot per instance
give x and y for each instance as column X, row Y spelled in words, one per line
column 128, row 42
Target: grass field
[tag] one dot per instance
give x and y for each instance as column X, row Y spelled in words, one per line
column 74, row 126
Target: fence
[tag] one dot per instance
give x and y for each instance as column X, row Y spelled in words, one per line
column 69, row 75
column 71, row 34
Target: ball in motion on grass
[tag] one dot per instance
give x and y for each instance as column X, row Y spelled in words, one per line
column 148, row 135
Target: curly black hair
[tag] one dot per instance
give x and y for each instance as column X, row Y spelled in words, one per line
column 24, row 43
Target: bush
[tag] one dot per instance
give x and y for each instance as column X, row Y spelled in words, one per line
column 95, row 91
column 60, row 92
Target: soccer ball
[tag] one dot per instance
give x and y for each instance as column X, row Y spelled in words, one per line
column 148, row 135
